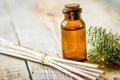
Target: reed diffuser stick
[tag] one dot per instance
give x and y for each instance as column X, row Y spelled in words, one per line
column 71, row 68
column 15, row 47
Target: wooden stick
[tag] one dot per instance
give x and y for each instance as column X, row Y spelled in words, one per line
column 88, row 68
column 66, row 67
column 64, row 70
column 5, row 41
column 96, row 74
column 39, row 58
column 75, row 63
column 24, row 52
column 21, row 53
column 72, row 69
column 6, row 52
column 12, row 46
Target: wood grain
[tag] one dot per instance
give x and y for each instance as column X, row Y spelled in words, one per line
column 10, row 68
column 6, row 29
column 36, row 24
column 39, row 36
column 43, row 72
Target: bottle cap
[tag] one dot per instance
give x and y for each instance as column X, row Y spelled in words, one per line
column 72, row 6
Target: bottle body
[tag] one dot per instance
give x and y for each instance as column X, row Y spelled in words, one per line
column 73, row 37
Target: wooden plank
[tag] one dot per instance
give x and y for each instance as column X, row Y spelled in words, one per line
column 10, row 68
column 38, row 26
column 43, row 72
column 39, row 36
column 6, row 30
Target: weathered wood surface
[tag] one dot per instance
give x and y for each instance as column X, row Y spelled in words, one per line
column 10, row 68
column 36, row 24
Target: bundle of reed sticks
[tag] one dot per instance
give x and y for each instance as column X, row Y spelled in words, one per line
column 77, row 70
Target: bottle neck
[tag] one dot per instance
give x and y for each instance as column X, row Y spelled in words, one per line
column 72, row 16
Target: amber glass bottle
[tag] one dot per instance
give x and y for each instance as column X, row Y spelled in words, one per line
column 73, row 33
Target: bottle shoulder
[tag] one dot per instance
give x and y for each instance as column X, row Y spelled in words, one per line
column 73, row 23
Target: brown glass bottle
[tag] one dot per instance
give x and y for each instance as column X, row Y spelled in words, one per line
column 73, row 33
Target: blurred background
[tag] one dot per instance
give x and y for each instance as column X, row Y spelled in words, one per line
column 105, row 13
column 37, row 23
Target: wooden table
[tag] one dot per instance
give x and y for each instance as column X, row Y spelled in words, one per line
column 36, row 24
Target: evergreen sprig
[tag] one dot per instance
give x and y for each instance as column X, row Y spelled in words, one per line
column 103, row 46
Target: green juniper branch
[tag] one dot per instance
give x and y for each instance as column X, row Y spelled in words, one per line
column 103, row 46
